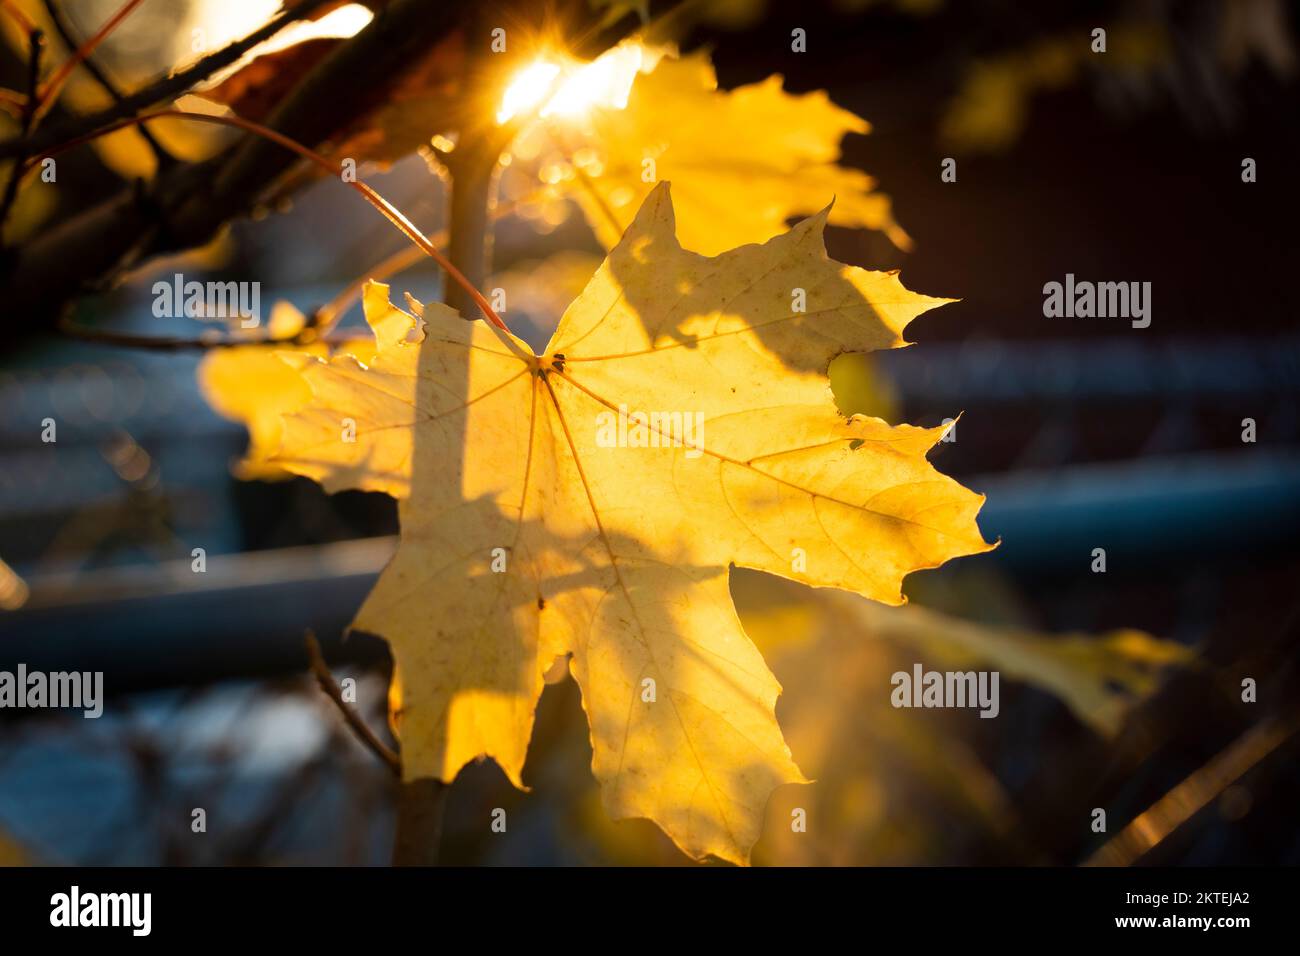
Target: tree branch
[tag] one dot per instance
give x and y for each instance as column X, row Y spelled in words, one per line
column 50, row 92
column 36, row 44
column 55, row 13
column 186, row 205
column 421, row 802
column 473, row 168
column 167, row 88
column 420, row 806
column 171, row 343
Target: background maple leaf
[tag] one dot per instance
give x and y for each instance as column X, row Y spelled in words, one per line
column 745, row 161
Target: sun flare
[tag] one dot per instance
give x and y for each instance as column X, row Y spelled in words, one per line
column 563, row 86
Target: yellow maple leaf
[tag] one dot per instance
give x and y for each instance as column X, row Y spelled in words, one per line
column 249, row 384
column 546, row 515
column 1098, row 676
column 742, row 162
column 254, row 385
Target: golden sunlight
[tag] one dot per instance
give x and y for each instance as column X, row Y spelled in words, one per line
column 212, row 24
column 342, row 22
column 572, row 87
column 527, row 89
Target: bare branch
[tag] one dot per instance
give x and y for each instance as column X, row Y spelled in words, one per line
column 186, row 205
column 420, row 806
column 61, row 26
column 358, row 726
column 36, row 45
column 166, row 88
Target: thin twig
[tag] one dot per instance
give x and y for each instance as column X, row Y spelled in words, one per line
column 164, row 89
column 15, row 13
column 1149, row 828
column 64, row 30
column 166, row 343
column 36, row 40
column 50, row 93
column 328, row 315
column 190, row 202
column 390, row 212
column 320, row 323
column 320, row 670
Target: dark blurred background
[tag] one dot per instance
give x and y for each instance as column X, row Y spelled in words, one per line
column 1083, row 433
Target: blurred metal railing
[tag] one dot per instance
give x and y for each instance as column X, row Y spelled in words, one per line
column 166, row 625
